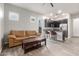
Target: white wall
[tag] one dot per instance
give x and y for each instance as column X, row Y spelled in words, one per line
column 75, row 23
column 76, row 27
column 24, row 17
column 1, row 24
column 70, row 30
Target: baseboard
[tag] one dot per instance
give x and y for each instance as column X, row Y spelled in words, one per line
column 68, row 37
column 75, row 36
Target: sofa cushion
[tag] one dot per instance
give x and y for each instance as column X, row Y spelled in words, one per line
column 21, row 38
column 12, row 36
column 18, row 33
column 30, row 33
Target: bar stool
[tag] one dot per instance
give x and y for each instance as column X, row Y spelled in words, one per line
column 53, row 35
column 47, row 34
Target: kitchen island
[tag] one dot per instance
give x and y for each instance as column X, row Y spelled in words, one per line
column 59, row 33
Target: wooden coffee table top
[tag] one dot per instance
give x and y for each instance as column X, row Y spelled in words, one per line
column 38, row 38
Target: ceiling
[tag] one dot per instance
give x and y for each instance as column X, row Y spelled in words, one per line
column 45, row 8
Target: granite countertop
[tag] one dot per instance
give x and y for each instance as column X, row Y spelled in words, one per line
column 55, row 29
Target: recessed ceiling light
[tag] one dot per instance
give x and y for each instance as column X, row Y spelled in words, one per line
column 52, row 19
column 56, row 16
column 44, row 17
column 59, row 11
column 63, row 14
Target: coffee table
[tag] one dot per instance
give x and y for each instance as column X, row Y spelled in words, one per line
column 32, row 43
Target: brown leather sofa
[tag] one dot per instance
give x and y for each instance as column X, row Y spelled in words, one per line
column 16, row 37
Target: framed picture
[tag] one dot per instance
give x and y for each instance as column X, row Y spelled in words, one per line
column 13, row 16
column 32, row 19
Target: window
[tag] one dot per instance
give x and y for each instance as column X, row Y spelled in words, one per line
column 13, row 16
column 1, row 13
